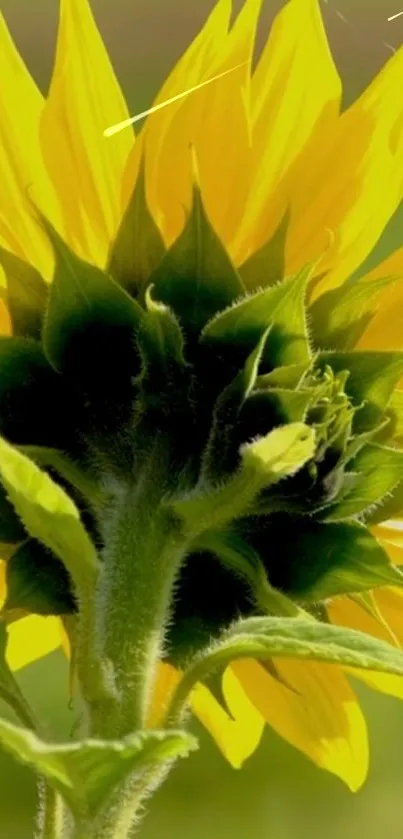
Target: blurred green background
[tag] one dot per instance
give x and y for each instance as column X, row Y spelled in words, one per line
column 278, row 794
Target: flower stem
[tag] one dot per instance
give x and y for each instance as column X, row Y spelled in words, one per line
column 144, row 549
column 138, row 591
column 52, row 815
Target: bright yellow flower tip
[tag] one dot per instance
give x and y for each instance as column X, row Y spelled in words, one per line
column 295, row 100
column 355, row 184
column 313, row 707
column 385, row 330
column 215, row 120
column 86, row 167
column 21, row 164
column 237, row 735
column 385, row 623
column 390, row 536
column 32, row 638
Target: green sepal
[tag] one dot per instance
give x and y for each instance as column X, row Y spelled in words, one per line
column 371, row 381
column 242, row 560
column 359, row 441
column 311, row 560
column 288, row 377
column 268, row 408
column 282, row 307
column 138, row 246
column 266, row 266
column 35, row 407
column 48, row 514
column 378, row 472
column 11, row 529
column 87, row 772
column 390, row 508
column 263, row 462
column 219, row 452
column 160, row 340
column 90, row 321
column 37, row 582
column 282, row 637
column 27, row 295
column 394, row 413
column 339, row 317
column 196, row 276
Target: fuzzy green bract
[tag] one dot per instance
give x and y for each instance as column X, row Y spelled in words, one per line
column 195, row 364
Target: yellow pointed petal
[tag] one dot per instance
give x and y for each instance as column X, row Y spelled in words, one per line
column 214, row 120
column 84, row 99
column 316, row 712
column 355, row 184
column 168, row 173
column 21, row 165
column 295, row 97
column 385, row 330
column 31, row 638
column 390, row 537
column 237, row 735
column 389, row 627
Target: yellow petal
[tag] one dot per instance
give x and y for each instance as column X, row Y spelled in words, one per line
column 168, row 167
column 5, row 321
column 315, row 710
column 21, row 165
column 31, row 638
column 167, row 677
column 389, row 627
column 214, row 120
column 354, row 186
column 390, row 537
column 238, row 735
column 84, row 99
column 2, row 582
column 385, row 330
column 295, row 98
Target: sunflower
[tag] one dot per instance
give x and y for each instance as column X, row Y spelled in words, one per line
column 228, row 236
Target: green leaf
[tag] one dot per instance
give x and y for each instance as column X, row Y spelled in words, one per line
column 35, row 408
column 218, row 454
column 90, row 321
column 27, row 295
column 138, row 247
column 282, row 307
column 48, row 514
column 378, row 471
column 87, row 772
column 267, row 265
column 37, row 582
column 339, row 317
column 311, row 560
column 196, row 276
column 77, row 476
column 294, row 638
column 372, row 379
